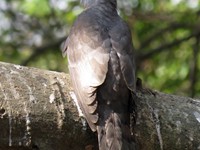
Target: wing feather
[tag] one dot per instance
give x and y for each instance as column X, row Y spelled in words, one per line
column 88, row 56
column 88, row 49
column 122, row 44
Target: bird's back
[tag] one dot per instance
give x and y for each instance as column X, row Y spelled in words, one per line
column 100, row 56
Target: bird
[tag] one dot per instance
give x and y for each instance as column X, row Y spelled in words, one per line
column 101, row 65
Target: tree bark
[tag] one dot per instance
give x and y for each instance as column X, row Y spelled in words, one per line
column 38, row 111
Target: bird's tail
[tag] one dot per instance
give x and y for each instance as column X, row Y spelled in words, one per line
column 113, row 134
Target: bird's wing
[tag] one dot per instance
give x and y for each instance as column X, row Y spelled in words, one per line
column 87, row 49
column 121, row 41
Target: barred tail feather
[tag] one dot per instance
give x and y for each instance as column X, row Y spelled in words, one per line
column 114, row 135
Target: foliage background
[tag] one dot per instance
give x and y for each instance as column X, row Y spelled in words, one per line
column 166, row 36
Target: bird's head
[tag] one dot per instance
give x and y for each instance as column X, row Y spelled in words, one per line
column 89, row 3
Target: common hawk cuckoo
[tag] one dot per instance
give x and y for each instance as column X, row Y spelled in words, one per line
column 101, row 65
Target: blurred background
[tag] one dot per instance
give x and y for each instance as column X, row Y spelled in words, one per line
column 166, row 37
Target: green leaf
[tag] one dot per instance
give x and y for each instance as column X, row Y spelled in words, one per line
column 36, row 7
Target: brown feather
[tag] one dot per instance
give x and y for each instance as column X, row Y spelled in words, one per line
column 100, row 57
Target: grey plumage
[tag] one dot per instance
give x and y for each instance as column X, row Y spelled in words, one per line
column 100, row 57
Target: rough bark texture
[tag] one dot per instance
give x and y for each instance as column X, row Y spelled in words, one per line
column 37, row 111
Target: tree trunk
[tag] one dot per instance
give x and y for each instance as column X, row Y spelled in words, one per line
column 38, row 111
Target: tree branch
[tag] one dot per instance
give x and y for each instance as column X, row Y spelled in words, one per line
column 158, row 33
column 38, row 111
column 165, row 47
